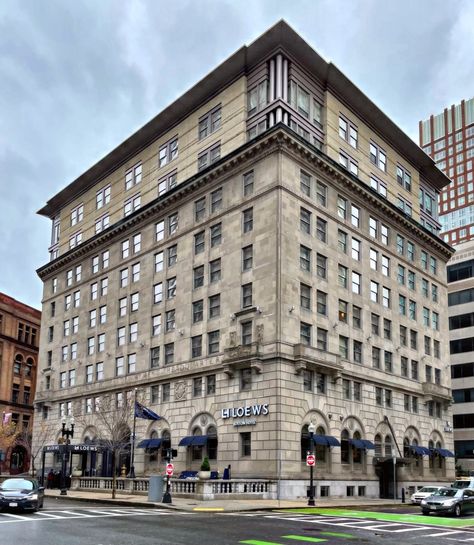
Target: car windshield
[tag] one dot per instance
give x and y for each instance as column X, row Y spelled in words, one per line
column 428, row 489
column 448, row 492
column 16, row 484
column 461, row 484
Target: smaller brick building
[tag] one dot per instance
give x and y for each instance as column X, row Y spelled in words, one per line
column 19, row 340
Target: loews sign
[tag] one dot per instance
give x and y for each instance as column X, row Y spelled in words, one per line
column 245, row 414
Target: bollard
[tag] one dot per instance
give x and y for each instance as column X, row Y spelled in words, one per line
column 403, row 495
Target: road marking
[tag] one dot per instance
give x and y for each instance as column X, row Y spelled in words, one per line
column 305, row 538
column 17, row 517
column 208, row 509
column 445, row 533
column 338, row 534
column 51, row 515
column 257, row 542
column 412, row 529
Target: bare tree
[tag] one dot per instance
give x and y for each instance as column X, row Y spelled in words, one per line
column 112, row 419
column 44, row 433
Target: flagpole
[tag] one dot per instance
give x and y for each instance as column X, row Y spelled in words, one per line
column 132, row 458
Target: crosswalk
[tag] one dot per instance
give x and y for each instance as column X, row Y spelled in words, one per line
column 406, row 530
column 61, row 514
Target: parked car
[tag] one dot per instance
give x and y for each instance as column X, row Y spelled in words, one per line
column 424, row 492
column 449, row 500
column 464, row 482
column 21, row 493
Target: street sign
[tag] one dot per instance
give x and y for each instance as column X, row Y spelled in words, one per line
column 169, row 470
column 310, row 460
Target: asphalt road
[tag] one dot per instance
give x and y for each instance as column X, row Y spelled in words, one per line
column 64, row 522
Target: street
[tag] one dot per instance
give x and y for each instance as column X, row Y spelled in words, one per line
column 65, row 522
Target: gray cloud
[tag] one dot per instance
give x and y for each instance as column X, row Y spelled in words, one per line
column 78, row 78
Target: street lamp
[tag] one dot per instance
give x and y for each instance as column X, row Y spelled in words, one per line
column 311, row 430
column 67, row 434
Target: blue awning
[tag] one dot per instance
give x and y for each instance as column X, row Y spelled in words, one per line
column 326, row 440
column 149, row 443
column 420, row 451
column 445, row 453
column 364, row 444
column 193, row 440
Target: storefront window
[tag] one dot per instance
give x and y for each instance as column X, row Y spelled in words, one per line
column 212, row 443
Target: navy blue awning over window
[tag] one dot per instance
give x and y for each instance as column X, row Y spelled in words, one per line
column 362, row 444
column 326, row 440
column 420, row 451
column 149, row 443
column 445, row 453
column 197, row 440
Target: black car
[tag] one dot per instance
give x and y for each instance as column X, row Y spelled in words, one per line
column 21, row 493
column 449, row 500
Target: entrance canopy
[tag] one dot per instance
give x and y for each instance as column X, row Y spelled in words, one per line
column 75, row 449
column 193, row 440
column 326, row 440
column 362, row 444
column 149, row 443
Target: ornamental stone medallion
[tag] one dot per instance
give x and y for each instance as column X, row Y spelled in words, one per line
column 180, row 390
column 203, row 420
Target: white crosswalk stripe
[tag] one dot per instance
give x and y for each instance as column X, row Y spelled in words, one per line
column 87, row 513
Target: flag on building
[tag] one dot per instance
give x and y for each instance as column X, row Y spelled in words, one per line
column 143, row 412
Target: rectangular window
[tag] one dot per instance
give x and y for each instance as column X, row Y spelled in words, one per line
column 156, row 325
column 216, row 200
column 214, row 306
column 305, row 333
column 214, row 270
column 342, row 276
column 171, row 288
column 210, row 122
column 321, row 193
column 209, row 156
column 342, row 241
column 321, row 303
column 155, row 357
column 168, row 152
column 196, row 346
column 213, row 339
column 305, row 258
column 198, row 276
column 321, row 265
column 103, row 197
column 305, row 221
column 158, row 293
column 356, row 249
column 131, row 205
column 322, row 339
column 375, row 357
column 199, row 243
column 216, row 235
column 246, row 333
column 247, row 183
column 245, row 444
column 247, row 295
column 305, row 183
column 170, row 320
column 172, row 253
column 378, row 157
column 169, row 353
column 198, row 310
column 356, row 282
column 341, row 207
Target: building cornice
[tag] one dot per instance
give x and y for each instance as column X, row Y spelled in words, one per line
column 279, row 136
column 280, row 36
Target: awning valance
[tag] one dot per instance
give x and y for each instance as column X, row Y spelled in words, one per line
column 326, row 440
column 364, row 444
column 193, row 440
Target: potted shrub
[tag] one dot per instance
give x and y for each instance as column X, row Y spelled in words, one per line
column 205, row 472
column 77, row 472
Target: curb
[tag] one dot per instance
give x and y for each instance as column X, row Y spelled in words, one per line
column 122, row 503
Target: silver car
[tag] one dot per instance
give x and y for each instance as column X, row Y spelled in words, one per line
column 449, row 501
column 423, row 493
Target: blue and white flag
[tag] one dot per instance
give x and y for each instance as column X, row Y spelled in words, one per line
column 143, row 412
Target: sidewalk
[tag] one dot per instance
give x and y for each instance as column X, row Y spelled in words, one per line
column 190, row 504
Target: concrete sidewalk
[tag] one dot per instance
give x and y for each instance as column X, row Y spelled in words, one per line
column 190, row 504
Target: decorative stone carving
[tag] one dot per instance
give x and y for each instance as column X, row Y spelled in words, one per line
column 260, row 334
column 203, row 420
column 180, row 390
column 232, row 338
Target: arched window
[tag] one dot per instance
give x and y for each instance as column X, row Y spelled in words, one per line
column 29, row 366
column 321, row 450
column 153, row 452
column 305, row 446
column 345, row 447
column 17, row 364
column 378, row 445
column 432, row 454
column 196, row 450
column 165, row 443
column 417, row 457
column 212, row 443
column 440, row 458
column 388, row 445
column 356, row 452
column 406, row 448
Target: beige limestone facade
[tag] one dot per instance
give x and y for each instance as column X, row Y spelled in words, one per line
column 272, row 274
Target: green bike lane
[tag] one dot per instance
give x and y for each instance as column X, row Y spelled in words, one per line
column 425, row 520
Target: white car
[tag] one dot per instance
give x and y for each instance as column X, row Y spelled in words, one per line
column 423, row 493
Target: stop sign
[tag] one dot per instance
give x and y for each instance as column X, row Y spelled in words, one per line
column 169, row 469
column 310, row 460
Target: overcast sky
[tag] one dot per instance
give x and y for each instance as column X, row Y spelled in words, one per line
column 77, row 78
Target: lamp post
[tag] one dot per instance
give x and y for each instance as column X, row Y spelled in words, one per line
column 67, row 434
column 311, row 430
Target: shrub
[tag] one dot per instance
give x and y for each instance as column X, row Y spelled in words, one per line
column 205, row 466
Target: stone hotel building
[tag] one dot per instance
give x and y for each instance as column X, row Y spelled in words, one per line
column 255, row 259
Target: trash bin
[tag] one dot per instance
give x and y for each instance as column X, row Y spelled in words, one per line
column 155, row 488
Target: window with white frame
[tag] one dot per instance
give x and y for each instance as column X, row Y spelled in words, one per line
column 378, row 156
column 167, row 182
column 168, row 152
column 210, row 122
column 131, row 204
column 133, row 176
column 75, row 240
column 209, row 156
column 77, row 214
column 103, row 197
column 102, row 223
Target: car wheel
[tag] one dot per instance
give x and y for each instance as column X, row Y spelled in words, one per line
column 425, row 512
column 457, row 510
